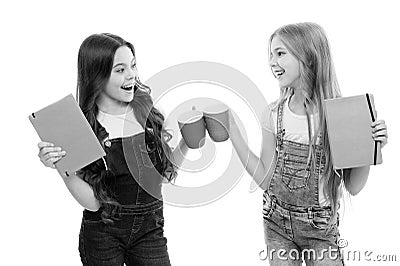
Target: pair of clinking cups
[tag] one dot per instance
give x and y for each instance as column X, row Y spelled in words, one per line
column 193, row 125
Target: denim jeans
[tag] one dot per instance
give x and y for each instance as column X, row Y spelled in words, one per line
column 302, row 234
column 135, row 239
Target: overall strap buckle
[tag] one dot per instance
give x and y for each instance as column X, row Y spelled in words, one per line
column 310, row 213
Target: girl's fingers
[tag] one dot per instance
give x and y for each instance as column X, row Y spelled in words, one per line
column 43, row 144
column 53, row 160
column 45, row 151
column 379, row 127
column 381, row 138
column 50, row 162
column 379, row 131
column 231, row 118
column 51, row 156
column 383, row 141
column 378, row 122
column 382, row 132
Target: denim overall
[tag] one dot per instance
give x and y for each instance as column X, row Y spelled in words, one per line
column 294, row 221
column 136, row 236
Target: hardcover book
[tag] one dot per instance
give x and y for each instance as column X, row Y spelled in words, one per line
column 349, row 130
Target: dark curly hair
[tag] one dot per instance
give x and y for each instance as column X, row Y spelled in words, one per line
column 95, row 61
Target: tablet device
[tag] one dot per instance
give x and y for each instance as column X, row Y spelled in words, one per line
column 63, row 124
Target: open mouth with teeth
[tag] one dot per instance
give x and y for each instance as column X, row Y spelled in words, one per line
column 128, row 87
column 279, row 73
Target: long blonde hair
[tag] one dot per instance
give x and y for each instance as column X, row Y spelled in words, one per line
column 309, row 44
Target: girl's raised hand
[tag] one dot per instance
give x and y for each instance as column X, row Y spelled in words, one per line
column 379, row 131
column 49, row 154
column 232, row 121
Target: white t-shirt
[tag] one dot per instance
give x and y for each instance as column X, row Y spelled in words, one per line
column 296, row 129
column 296, row 126
column 120, row 125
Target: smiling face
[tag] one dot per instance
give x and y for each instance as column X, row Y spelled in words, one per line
column 119, row 90
column 284, row 66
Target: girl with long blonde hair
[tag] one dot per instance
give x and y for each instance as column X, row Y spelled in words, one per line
column 302, row 189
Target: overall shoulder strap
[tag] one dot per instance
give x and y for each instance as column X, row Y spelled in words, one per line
column 280, row 131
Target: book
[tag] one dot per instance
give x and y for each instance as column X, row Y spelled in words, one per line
column 63, row 124
column 349, row 130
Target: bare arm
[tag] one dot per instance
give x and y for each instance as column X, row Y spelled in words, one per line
column 259, row 168
column 179, row 153
column 80, row 190
column 355, row 179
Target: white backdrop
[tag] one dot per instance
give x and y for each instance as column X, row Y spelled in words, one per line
column 40, row 221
